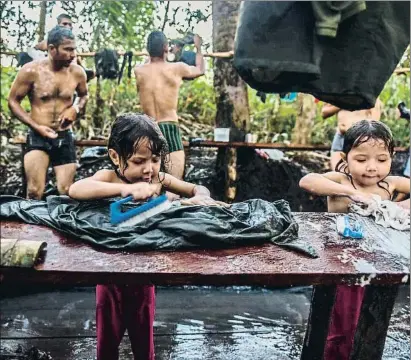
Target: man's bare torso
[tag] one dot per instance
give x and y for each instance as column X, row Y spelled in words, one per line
column 158, row 86
column 51, row 91
column 346, row 119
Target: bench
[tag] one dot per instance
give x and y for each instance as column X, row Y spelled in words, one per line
column 186, row 144
column 217, row 144
column 71, row 262
column 192, row 144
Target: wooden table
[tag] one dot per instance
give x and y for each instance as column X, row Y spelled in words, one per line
column 380, row 260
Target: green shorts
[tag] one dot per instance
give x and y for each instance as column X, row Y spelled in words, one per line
column 171, row 132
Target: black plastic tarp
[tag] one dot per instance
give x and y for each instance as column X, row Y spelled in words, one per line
column 250, row 222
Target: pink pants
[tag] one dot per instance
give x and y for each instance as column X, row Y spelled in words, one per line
column 125, row 307
column 344, row 320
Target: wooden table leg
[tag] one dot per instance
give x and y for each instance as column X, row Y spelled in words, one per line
column 369, row 339
column 322, row 302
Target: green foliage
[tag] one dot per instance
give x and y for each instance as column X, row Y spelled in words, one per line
column 124, row 25
column 396, row 89
column 323, row 129
column 272, row 121
column 198, row 99
column 9, row 124
column 120, row 25
column 11, row 13
column 192, row 17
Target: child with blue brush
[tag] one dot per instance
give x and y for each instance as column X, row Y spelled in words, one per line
column 138, row 151
column 362, row 172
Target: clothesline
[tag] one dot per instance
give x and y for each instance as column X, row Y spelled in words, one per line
column 221, row 55
column 225, row 54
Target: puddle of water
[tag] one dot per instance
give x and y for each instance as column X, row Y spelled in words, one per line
column 201, row 323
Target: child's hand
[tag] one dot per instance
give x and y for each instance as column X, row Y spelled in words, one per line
column 141, row 190
column 67, row 117
column 203, row 200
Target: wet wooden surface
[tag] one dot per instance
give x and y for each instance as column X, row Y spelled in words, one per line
column 382, row 257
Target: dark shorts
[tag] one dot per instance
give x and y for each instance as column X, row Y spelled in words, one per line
column 171, row 132
column 338, row 142
column 60, row 150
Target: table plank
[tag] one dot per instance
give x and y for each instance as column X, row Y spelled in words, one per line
column 381, row 258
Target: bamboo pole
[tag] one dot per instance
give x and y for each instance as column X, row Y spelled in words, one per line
column 219, row 144
column 221, row 55
column 401, row 70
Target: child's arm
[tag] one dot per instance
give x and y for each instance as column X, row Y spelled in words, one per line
column 402, row 185
column 399, row 183
column 329, row 184
column 199, row 195
column 101, row 185
column 405, row 204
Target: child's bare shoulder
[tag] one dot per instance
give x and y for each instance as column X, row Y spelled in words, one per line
column 399, row 183
column 394, row 178
column 105, row 175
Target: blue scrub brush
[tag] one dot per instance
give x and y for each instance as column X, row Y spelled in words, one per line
column 139, row 213
column 350, row 228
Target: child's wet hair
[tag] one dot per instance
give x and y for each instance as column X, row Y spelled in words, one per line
column 361, row 132
column 128, row 132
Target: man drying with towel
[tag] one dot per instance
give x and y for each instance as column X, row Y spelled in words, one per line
column 158, row 84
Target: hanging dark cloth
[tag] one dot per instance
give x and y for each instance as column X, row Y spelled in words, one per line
column 288, row 46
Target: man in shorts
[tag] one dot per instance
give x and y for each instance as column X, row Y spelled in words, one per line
column 50, row 84
column 158, row 85
column 346, row 119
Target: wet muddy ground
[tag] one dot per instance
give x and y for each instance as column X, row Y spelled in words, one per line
column 203, row 323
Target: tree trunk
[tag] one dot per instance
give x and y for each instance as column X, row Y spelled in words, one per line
column 231, row 91
column 305, row 119
column 42, row 22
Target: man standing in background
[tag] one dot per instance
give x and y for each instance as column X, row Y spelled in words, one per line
column 158, row 85
column 346, row 119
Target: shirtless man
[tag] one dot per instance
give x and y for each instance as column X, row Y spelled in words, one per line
column 63, row 20
column 346, row 119
column 158, row 85
column 50, row 84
